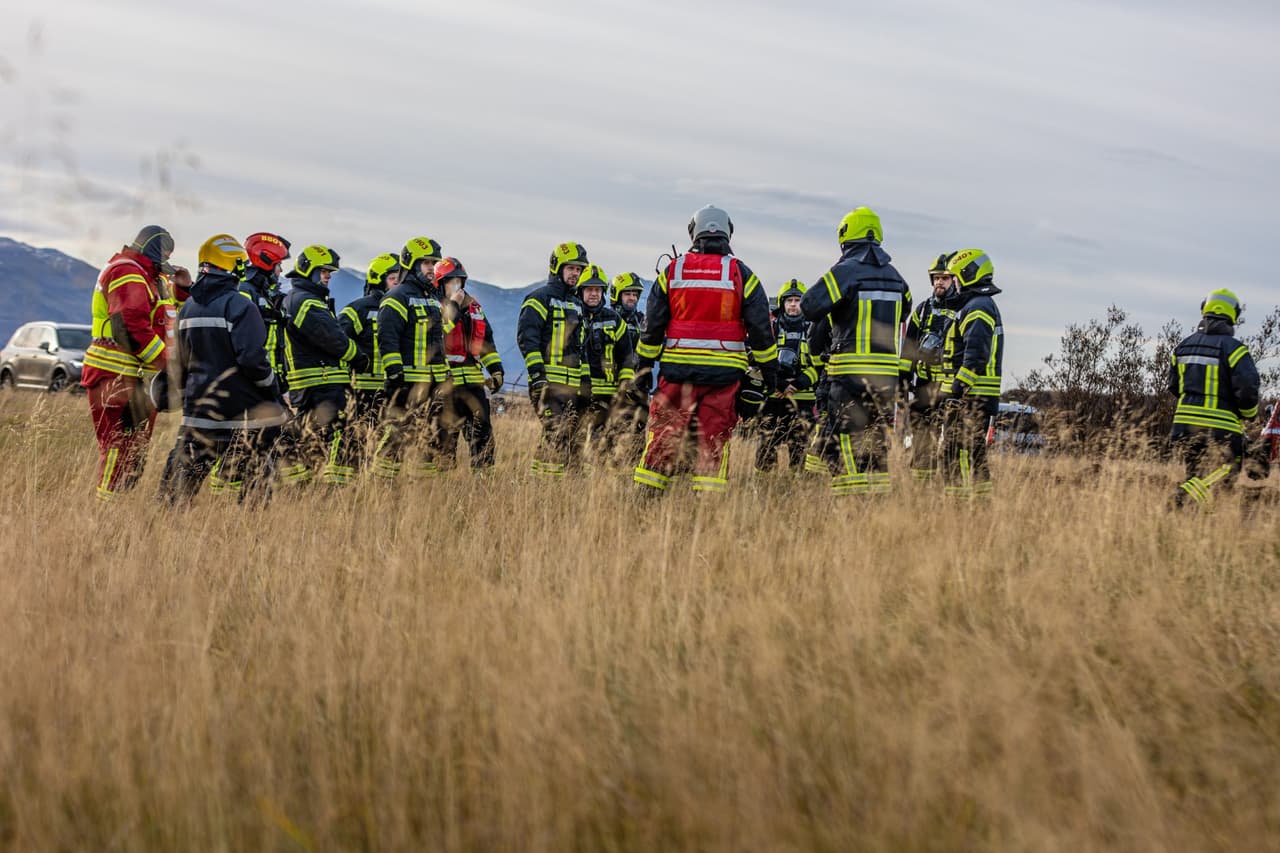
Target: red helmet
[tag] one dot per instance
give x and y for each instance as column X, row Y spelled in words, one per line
column 266, row 250
column 450, row 268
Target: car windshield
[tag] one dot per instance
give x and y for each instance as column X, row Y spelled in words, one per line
column 74, row 338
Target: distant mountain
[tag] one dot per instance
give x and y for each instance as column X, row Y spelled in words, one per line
column 42, row 284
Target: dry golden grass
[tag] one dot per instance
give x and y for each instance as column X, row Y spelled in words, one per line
column 505, row 664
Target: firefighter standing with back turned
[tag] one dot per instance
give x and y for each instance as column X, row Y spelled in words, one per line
column 1216, row 382
column 704, row 311
column 865, row 298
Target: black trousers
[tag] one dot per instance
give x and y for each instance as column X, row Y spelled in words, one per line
column 249, row 453
column 1212, row 458
column 558, row 411
column 472, row 421
column 784, row 423
column 965, row 471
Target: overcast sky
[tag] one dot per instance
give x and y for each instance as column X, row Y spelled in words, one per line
column 1101, row 153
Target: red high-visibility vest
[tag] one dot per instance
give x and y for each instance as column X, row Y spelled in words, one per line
column 705, row 294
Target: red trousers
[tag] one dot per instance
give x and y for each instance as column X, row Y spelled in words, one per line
column 670, row 411
column 123, row 418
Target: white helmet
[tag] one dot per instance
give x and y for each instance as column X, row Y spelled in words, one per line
column 710, row 220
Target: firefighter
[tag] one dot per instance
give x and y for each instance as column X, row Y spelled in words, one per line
column 704, row 312
column 973, row 353
column 552, row 348
column 926, row 376
column 866, row 299
column 630, row 414
column 470, row 351
column 606, row 349
column 319, row 356
column 787, row 417
column 133, row 317
column 816, row 460
column 230, row 392
column 267, row 253
column 1271, row 435
column 411, row 342
column 1216, row 382
column 360, row 322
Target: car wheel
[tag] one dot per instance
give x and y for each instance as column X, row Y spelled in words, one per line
column 6, row 378
column 58, row 382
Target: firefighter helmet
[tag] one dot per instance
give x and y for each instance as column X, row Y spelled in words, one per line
column 794, row 287
column 593, row 276
column 568, row 253
column 710, row 220
column 379, row 268
column 450, row 268
column 861, row 223
column 971, row 267
column 154, row 243
column 623, row 283
column 939, row 265
column 419, row 249
column 266, row 251
column 223, row 252
column 314, row 258
column 1222, row 303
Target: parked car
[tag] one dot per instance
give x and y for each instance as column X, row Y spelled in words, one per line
column 1016, row 427
column 45, row 355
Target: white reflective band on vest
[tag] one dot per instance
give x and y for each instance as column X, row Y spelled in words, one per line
column 705, row 343
column 679, row 282
column 1199, row 359
column 880, row 295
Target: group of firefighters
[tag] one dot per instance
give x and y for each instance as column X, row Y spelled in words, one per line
column 279, row 382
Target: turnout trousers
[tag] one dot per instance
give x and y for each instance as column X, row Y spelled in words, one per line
column 123, row 419
column 670, row 411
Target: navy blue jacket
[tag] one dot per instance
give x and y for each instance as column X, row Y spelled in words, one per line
column 227, row 382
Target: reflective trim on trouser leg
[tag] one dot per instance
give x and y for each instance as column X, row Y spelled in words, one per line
column 879, row 483
column 548, row 469
column 647, row 477
column 105, row 492
column 388, row 469
column 850, row 481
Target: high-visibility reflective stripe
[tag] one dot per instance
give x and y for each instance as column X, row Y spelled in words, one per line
column 880, row 295
column 1196, row 359
column 152, row 350
column 645, row 477
column 204, row 323
column 725, row 282
column 235, row 424
column 1240, row 353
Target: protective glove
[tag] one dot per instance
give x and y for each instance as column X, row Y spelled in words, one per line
column 360, row 362
column 394, row 381
column 537, row 384
column 585, row 388
column 494, row 382
column 638, row 386
column 159, row 391
column 769, row 376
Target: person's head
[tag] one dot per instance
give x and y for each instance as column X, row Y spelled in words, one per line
column 939, row 278
column 420, row 256
column 451, row 277
column 789, row 297
column 626, row 290
column 971, row 269
column 710, row 222
column 591, row 285
column 155, row 244
column 567, row 262
column 316, row 264
column 861, row 223
column 221, row 253
column 384, row 272
column 1222, row 304
column 267, row 252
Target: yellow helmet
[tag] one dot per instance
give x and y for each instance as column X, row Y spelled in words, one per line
column 568, row 253
column 420, row 249
column 625, row 282
column 1223, row 303
column 593, row 276
column 861, row 223
column 379, row 268
column 314, row 258
column 794, row 287
column 224, row 252
column 971, row 267
column 939, row 265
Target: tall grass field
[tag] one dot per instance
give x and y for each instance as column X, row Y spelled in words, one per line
column 503, row 663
